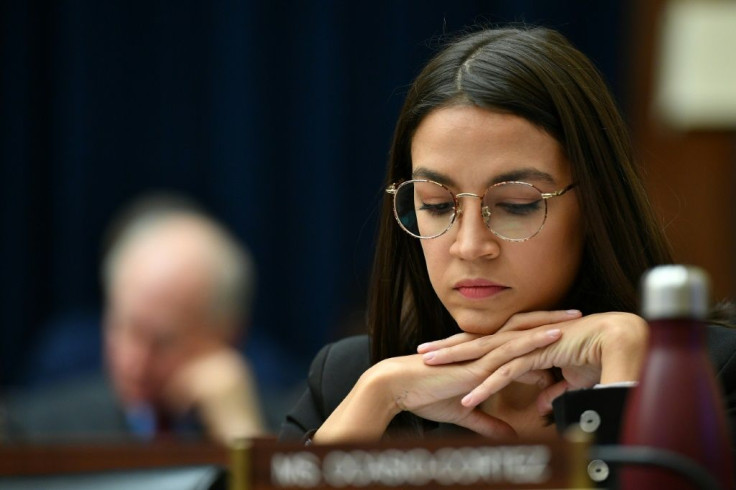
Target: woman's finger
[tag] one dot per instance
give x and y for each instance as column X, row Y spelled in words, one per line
column 547, row 396
column 542, row 378
column 502, row 377
column 533, row 319
column 519, row 321
column 487, row 425
column 457, row 339
column 506, row 346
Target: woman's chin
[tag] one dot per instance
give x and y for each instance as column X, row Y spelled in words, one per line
column 479, row 323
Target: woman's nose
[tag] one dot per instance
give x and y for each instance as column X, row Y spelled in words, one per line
column 473, row 239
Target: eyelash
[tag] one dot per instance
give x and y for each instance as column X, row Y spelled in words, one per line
column 437, row 209
column 519, row 209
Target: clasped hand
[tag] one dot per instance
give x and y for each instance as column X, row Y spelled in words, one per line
column 448, row 379
column 466, row 369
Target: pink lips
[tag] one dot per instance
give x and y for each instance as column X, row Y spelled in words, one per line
column 478, row 288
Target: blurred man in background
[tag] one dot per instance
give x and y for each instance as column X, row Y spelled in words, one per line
column 178, row 293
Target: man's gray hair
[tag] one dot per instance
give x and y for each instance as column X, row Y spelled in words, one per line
column 234, row 275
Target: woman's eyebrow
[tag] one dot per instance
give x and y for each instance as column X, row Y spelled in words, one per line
column 521, row 174
column 425, row 173
column 524, row 174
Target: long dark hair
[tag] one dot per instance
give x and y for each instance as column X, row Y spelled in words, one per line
column 534, row 73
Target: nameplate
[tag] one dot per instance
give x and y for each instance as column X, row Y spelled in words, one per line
column 457, row 463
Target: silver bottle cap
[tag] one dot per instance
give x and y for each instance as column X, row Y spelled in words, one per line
column 675, row 291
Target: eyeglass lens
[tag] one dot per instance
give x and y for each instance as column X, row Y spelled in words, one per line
column 515, row 211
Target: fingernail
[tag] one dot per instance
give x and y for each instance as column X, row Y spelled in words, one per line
column 428, row 356
column 467, row 400
column 423, row 346
column 553, row 333
column 573, row 312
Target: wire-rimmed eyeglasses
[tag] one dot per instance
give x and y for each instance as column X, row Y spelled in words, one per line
column 514, row 211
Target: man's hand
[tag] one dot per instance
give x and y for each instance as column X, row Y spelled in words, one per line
column 220, row 387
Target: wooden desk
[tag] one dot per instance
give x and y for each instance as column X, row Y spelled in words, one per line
column 264, row 464
column 463, row 463
column 58, row 458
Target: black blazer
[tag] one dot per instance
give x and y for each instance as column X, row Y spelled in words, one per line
column 337, row 367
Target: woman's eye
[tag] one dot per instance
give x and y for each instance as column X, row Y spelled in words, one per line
column 437, row 209
column 520, row 208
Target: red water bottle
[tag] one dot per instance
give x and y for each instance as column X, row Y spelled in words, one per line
column 678, row 404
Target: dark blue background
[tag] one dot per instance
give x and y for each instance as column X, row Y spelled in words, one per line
column 276, row 115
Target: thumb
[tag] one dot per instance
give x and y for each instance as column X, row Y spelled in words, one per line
column 547, row 396
column 487, row 425
column 540, row 377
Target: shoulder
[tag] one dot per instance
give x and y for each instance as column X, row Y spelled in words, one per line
column 336, row 368
column 351, row 350
column 333, row 373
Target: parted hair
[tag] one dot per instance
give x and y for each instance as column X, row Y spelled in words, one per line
column 537, row 74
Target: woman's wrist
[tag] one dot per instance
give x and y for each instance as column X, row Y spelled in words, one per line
column 625, row 350
column 365, row 412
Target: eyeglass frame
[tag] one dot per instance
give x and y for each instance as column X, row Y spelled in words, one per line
column 458, row 210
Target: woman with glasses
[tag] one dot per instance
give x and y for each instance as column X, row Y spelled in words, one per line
column 513, row 234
